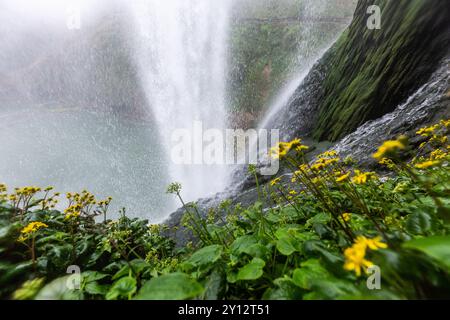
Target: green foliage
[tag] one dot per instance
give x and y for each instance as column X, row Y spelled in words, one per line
column 313, row 237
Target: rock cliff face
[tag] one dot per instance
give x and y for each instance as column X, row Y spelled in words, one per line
column 373, row 71
column 368, row 73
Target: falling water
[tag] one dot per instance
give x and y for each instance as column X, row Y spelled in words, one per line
column 181, row 54
column 312, row 45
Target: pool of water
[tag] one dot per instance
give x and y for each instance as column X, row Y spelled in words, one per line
column 75, row 149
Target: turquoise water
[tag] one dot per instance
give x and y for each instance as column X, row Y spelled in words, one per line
column 75, row 150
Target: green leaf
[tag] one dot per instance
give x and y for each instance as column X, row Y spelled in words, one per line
column 320, row 218
column 213, row 286
column 310, row 272
column 252, row 271
column 58, row 289
column 174, row 286
column 257, row 251
column 90, row 276
column 241, row 244
column 122, row 288
column 437, row 247
column 137, row 266
column 418, row 223
column 285, row 246
column 206, row 256
column 95, row 288
column 285, row 290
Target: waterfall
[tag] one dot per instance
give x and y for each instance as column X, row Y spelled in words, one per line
column 312, row 45
column 181, row 56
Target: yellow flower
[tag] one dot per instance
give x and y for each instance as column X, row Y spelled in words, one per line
column 72, row 215
column 323, row 163
column 388, row 163
column 296, row 176
column 279, row 151
column 438, row 154
column 427, row 164
column 373, row 244
column 293, row 192
column 328, row 154
column 445, row 123
column 362, row 177
column 427, row 131
column 346, row 217
column 355, row 259
column 283, row 148
column 389, row 147
column 33, row 227
column 343, row 177
column 275, row 182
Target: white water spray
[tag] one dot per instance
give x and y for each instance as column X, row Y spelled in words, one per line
column 181, row 55
column 311, row 47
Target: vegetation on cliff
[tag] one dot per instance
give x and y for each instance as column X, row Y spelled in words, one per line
column 329, row 227
column 372, row 71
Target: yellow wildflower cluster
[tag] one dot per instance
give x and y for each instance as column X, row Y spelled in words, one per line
column 80, row 202
column 328, row 154
column 346, row 216
column 427, row 164
column 275, row 181
column 388, row 163
column 428, row 131
column 355, row 256
column 362, row 177
column 342, row 177
column 283, row 148
column 323, row 163
column 73, row 211
column 31, row 229
column 105, row 202
column 3, row 191
column 390, row 148
column 438, row 154
column 445, row 123
column 436, row 134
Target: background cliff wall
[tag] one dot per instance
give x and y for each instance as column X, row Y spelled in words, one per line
column 371, row 72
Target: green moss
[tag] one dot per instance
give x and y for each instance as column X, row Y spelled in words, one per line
column 373, row 71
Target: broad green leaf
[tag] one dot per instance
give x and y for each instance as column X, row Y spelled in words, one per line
column 206, row 256
column 285, row 246
column 437, row 247
column 90, row 276
column 242, row 243
column 58, row 289
column 213, row 286
column 174, row 286
column 285, row 290
column 252, row 271
column 418, row 223
column 310, row 272
column 137, row 266
column 95, row 288
column 122, row 288
column 256, row 251
column 29, row 289
column 322, row 218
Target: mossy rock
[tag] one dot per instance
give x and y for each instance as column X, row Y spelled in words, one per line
column 373, row 71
